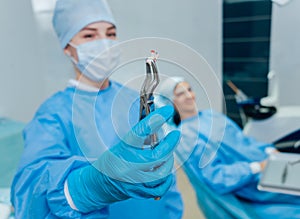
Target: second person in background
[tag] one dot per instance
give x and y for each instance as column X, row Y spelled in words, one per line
column 215, row 150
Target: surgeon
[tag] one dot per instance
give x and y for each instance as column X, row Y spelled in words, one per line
column 215, row 150
column 83, row 152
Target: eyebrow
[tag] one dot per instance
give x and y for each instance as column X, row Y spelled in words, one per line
column 112, row 27
column 179, row 92
column 95, row 29
column 89, row 28
column 182, row 90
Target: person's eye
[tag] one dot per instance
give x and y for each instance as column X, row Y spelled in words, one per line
column 111, row 35
column 190, row 89
column 87, row 36
column 179, row 94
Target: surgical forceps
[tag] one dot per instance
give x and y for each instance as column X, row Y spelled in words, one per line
column 146, row 94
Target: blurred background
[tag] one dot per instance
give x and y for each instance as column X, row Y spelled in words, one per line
column 241, row 41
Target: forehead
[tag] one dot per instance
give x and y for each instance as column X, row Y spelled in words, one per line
column 182, row 86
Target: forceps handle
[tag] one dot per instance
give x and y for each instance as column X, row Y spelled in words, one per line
column 146, row 95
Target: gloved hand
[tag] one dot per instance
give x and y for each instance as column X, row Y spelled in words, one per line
column 126, row 170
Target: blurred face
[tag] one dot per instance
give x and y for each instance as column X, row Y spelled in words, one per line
column 94, row 31
column 184, row 100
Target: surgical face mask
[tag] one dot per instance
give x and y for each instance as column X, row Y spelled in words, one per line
column 97, row 59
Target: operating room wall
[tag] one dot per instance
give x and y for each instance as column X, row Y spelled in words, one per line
column 18, row 54
column 33, row 65
column 285, row 51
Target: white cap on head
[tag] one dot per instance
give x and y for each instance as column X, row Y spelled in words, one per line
column 166, row 89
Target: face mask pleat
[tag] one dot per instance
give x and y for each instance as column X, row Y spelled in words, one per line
column 97, row 59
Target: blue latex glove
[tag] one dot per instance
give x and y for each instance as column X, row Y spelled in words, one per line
column 126, row 170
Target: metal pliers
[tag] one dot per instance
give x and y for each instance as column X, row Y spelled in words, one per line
column 146, row 94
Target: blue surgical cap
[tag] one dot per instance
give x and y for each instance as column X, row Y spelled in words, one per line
column 70, row 16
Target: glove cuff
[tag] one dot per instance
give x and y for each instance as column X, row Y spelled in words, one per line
column 91, row 190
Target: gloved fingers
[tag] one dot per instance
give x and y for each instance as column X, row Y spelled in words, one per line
column 153, row 171
column 159, row 169
column 158, row 188
column 119, row 169
column 163, row 149
column 148, row 190
column 149, row 125
column 166, row 146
